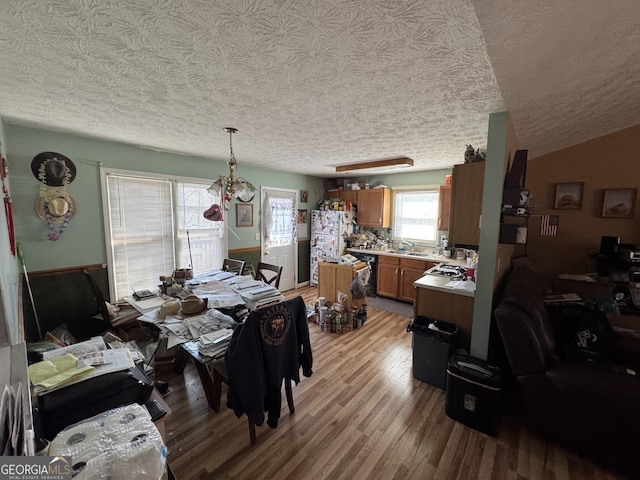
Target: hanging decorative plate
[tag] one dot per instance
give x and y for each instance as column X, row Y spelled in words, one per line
column 245, row 191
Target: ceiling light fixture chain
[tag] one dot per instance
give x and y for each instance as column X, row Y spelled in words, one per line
column 230, row 186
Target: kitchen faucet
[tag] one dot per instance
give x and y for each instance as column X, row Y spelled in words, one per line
column 408, row 242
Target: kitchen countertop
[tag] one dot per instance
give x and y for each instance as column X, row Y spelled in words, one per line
column 440, row 283
column 430, row 257
column 433, row 282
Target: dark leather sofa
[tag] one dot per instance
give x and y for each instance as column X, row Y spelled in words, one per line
column 589, row 406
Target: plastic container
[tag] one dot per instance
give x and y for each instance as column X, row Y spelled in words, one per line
column 473, row 392
column 434, row 341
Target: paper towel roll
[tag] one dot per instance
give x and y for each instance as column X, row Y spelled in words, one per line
column 80, row 439
column 126, row 419
column 96, row 467
column 140, row 455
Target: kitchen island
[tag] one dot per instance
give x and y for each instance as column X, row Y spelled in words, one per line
column 437, row 299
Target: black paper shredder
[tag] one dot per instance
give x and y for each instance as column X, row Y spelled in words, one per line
column 434, row 341
column 473, row 392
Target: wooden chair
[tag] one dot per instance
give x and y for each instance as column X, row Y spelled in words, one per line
column 126, row 321
column 234, row 266
column 269, row 274
column 220, row 376
column 294, row 339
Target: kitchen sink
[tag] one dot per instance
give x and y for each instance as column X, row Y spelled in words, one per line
column 418, row 254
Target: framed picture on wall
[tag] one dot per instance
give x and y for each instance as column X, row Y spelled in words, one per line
column 569, row 196
column 244, row 215
column 304, row 196
column 619, row 202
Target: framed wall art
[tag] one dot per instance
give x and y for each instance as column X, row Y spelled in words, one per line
column 569, row 196
column 619, row 202
column 244, row 215
column 304, row 196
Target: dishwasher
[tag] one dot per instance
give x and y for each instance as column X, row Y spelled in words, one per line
column 372, row 261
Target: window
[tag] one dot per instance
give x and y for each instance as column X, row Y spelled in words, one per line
column 153, row 226
column 416, row 214
column 281, row 219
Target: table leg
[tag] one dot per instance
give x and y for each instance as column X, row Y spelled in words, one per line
column 180, row 360
column 207, row 383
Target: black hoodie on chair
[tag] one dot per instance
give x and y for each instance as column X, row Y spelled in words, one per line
column 271, row 345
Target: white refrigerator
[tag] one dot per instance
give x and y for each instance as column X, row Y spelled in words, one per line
column 328, row 231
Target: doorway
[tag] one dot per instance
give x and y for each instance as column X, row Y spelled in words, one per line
column 279, row 235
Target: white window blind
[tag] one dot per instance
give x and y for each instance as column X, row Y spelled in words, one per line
column 147, row 219
column 200, row 241
column 416, row 215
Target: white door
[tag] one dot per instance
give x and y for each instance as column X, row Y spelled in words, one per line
column 279, row 239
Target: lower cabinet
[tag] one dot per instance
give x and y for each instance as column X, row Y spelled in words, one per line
column 396, row 276
column 334, row 278
column 449, row 307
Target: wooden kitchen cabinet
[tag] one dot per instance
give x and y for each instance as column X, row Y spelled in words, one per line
column 387, row 276
column 344, row 195
column 334, row 278
column 349, row 196
column 397, row 274
column 374, row 207
column 466, row 203
column 444, row 208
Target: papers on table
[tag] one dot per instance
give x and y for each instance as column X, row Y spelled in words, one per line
column 462, row 285
column 191, row 328
column 94, row 344
column 221, row 290
column 217, row 336
column 214, row 344
column 256, row 293
column 144, row 306
column 61, row 367
column 50, row 374
column 218, row 294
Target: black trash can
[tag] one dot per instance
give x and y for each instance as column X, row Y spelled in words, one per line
column 473, row 392
column 434, row 341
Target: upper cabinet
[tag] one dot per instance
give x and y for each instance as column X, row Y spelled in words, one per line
column 374, row 207
column 444, row 210
column 466, row 203
column 344, row 195
column 350, row 196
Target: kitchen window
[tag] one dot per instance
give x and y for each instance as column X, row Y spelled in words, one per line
column 155, row 224
column 416, row 214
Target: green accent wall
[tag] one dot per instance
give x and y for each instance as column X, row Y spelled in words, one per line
column 83, row 242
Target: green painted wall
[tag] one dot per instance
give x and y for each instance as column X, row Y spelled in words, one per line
column 83, row 241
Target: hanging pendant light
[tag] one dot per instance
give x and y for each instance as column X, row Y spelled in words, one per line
column 230, row 187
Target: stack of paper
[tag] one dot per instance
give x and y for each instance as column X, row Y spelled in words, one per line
column 214, row 344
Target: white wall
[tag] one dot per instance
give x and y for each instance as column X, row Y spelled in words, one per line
column 8, row 274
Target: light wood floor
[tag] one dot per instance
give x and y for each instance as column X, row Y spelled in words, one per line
column 361, row 415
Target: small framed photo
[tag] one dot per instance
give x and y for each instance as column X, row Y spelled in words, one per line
column 304, row 196
column 619, row 202
column 569, row 196
column 244, row 215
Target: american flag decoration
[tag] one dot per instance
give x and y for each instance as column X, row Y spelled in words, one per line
column 549, row 225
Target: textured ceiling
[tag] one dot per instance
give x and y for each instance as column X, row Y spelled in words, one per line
column 312, row 85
